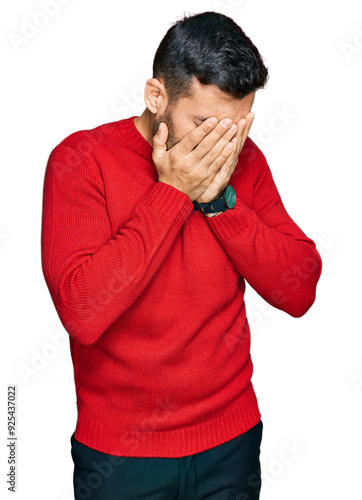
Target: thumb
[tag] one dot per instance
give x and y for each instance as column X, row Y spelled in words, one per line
column 159, row 141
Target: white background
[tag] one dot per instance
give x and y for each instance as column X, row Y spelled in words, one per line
column 86, row 64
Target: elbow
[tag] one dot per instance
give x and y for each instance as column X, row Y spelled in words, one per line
column 80, row 316
column 299, row 294
column 297, row 303
column 82, row 325
column 81, row 331
column 299, row 309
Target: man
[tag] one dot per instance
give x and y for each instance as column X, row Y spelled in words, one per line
column 151, row 225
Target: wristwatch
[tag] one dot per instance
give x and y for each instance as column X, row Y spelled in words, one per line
column 226, row 200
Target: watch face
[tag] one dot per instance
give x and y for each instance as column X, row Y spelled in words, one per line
column 230, row 196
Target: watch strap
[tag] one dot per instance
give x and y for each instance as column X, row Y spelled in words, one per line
column 213, row 206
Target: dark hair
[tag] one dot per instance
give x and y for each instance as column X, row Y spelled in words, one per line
column 214, row 49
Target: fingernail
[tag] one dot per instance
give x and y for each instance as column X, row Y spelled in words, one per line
column 226, row 123
column 212, row 122
column 232, row 129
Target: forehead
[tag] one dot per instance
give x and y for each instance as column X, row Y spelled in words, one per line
column 208, row 100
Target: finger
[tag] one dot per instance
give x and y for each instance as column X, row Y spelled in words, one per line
column 159, row 141
column 237, row 141
column 223, row 157
column 244, row 126
column 212, row 145
column 220, row 180
column 219, row 174
column 226, row 170
column 193, row 138
column 248, row 123
column 241, row 130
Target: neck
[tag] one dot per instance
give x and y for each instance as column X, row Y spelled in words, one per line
column 143, row 124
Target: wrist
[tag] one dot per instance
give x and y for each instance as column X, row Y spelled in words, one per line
column 219, row 205
column 213, row 215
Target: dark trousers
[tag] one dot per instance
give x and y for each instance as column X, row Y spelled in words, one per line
column 228, row 471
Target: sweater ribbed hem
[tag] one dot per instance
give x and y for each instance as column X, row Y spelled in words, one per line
column 135, row 139
column 236, row 420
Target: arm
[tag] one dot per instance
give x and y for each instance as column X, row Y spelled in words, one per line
column 267, row 248
column 94, row 277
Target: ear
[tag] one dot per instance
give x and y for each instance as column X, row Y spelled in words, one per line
column 155, row 96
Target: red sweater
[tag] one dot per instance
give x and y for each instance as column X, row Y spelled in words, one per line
column 151, row 292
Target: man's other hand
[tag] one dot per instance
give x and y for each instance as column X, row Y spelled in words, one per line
column 192, row 164
column 222, row 177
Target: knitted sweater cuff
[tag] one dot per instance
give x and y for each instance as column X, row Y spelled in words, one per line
column 233, row 221
column 169, row 201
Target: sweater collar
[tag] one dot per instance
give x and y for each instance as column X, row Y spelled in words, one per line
column 135, row 139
